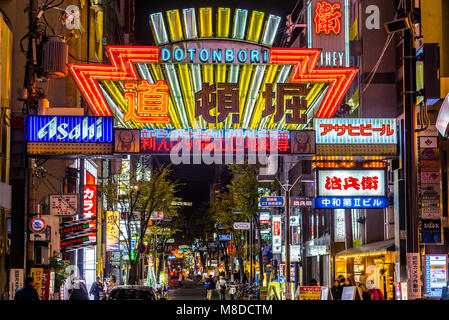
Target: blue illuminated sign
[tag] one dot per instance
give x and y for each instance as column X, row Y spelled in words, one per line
column 351, row 202
column 70, row 129
column 224, row 237
column 171, row 257
column 272, row 201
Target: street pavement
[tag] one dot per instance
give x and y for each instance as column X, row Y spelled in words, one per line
column 191, row 290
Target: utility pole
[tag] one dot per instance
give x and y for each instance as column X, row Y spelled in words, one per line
column 409, row 102
column 288, row 295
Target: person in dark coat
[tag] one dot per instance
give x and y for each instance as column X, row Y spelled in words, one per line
column 96, row 288
column 78, row 292
column 27, row 292
column 336, row 290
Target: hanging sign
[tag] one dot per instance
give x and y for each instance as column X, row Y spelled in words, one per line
column 276, row 234
column 64, row 205
column 112, row 231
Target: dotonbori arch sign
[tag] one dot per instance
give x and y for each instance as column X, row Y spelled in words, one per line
column 230, row 78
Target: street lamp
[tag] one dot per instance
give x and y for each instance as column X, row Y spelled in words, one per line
column 287, row 188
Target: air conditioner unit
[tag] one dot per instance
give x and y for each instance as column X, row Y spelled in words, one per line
column 55, row 58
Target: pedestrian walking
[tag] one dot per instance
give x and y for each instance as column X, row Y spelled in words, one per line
column 180, row 279
column 375, row 293
column 221, row 287
column 232, row 290
column 27, row 292
column 78, row 290
column 336, row 290
column 96, row 289
column 365, row 294
column 209, row 285
column 111, row 284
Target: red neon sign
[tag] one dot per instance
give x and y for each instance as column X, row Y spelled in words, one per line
column 327, row 18
column 123, row 59
column 151, row 99
column 90, row 201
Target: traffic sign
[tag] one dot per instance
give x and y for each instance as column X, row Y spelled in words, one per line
column 142, row 248
column 272, row 201
column 37, row 225
column 241, row 225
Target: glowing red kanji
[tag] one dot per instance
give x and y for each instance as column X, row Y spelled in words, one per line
column 370, row 183
column 365, row 130
column 327, row 129
column 152, row 102
column 352, row 132
column 333, row 184
column 351, row 183
column 327, row 17
column 342, row 128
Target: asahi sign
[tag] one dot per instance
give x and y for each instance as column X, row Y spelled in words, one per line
column 70, row 129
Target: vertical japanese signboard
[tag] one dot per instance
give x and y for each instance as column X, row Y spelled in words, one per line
column 38, row 275
column 429, row 190
column 90, row 201
column 46, row 285
column 112, row 231
column 413, row 276
column 15, row 281
column 277, row 238
column 328, row 28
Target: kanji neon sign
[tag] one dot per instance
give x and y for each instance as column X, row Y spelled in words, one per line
column 349, row 183
column 151, row 99
column 123, row 68
column 356, row 131
column 327, row 18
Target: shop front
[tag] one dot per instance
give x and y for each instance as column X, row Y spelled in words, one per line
column 371, row 264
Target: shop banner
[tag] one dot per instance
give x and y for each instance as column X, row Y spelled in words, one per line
column 276, row 232
column 46, row 285
column 413, row 276
column 435, row 267
column 15, row 281
column 112, row 231
column 309, row 293
column 38, row 275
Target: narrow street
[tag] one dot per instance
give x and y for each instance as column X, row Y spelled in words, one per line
column 190, row 291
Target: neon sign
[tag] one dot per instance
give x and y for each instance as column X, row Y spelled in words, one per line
column 90, row 201
column 327, row 18
column 69, row 129
column 214, row 51
column 151, row 99
column 351, row 202
column 187, row 72
column 350, row 183
column 356, row 131
column 164, row 141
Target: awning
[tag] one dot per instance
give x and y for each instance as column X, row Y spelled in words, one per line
column 381, row 246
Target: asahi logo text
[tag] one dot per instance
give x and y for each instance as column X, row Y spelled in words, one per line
column 62, row 131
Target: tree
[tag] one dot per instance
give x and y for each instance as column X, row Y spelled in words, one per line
column 243, row 196
column 137, row 192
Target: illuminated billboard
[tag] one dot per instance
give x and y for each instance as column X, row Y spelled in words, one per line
column 352, row 183
column 70, row 129
column 356, row 131
column 194, row 78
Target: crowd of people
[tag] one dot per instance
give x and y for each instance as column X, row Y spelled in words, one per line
column 228, row 289
column 363, row 292
column 77, row 291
